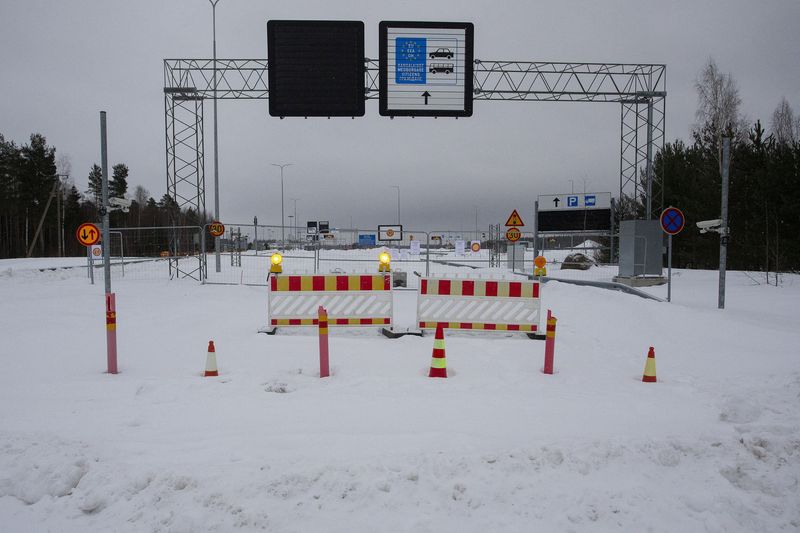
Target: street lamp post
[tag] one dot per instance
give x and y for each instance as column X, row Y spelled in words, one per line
column 296, row 221
column 283, row 219
column 398, row 202
column 477, row 235
column 216, row 144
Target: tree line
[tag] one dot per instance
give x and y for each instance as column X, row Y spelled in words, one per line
column 38, row 192
column 764, row 181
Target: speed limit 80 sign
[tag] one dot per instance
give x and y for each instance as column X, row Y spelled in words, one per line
column 216, row 228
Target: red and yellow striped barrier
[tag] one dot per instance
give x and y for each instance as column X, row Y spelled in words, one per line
column 478, row 304
column 355, row 300
column 334, row 283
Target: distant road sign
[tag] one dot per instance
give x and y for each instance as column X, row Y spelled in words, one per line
column 514, row 219
column 672, row 221
column 426, row 68
column 87, row 234
column 216, row 228
column 562, row 202
column 366, row 240
column 513, row 234
column 390, row 233
column 590, row 211
column 475, row 246
column 97, row 251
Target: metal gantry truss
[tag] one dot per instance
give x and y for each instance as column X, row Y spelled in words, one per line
column 640, row 89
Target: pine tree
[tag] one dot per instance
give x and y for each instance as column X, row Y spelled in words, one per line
column 37, row 178
column 118, row 186
column 95, row 190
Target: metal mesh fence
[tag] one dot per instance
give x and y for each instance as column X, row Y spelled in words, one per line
column 187, row 252
column 164, row 252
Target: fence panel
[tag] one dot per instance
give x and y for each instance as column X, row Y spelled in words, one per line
column 162, row 252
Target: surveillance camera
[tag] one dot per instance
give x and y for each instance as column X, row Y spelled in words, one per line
column 709, row 225
column 120, row 202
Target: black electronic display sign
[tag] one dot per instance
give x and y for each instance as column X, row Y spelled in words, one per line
column 316, row 68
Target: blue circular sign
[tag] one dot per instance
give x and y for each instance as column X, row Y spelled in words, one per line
column 672, row 220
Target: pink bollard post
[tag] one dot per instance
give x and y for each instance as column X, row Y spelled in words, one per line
column 324, row 369
column 111, row 332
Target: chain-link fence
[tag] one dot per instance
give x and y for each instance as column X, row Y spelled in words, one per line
column 188, row 252
column 162, row 252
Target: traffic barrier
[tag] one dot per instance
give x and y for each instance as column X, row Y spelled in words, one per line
column 549, row 343
column 350, row 300
column 478, row 305
column 322, row 320
column 438, row 359
column 650, row 367
column 211, row 361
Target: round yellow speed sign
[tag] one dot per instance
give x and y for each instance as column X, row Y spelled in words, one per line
column 513, row 234
column 216, row 228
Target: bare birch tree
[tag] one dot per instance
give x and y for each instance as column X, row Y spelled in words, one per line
column 718, row 107
column 784, row 124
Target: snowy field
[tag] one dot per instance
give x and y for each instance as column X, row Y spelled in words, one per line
column 498, row 446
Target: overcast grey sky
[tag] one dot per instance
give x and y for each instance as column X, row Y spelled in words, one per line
column 62, row 62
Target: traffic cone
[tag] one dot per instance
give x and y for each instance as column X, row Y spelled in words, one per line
column 211, row 361
column 650, row 367
column 439, row 361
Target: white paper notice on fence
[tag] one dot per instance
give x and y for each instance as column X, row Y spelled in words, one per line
column 460, row 247
column 414, row 249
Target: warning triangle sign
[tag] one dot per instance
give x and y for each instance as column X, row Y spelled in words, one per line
column 514, row 219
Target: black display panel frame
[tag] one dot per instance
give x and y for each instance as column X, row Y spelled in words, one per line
column 316, row 68
column 574, row 220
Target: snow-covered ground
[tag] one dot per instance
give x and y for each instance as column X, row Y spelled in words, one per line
column 378, row 446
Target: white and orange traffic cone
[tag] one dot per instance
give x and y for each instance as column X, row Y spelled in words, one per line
column 439, row 361
column 211, row 361
column 650, row 367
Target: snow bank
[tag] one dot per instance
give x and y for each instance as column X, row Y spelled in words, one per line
column 498, row 446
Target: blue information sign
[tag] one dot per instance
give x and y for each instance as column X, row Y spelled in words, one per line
column 410, row 57
column 366, row 240
column 672, row 220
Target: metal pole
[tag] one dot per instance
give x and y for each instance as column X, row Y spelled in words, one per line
column 90, row 263
column 428, row 254
column 255, row 234
column 669, row 268
column 296, row 223
column 611, row 225
column 283, row 219
column 477, row 235
column 111, row 310
column 104, row 207
column 217, row 242
column 723, row 233
column 58, row 218
column 649, row 213
column 398, row 202
column 536, row 228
